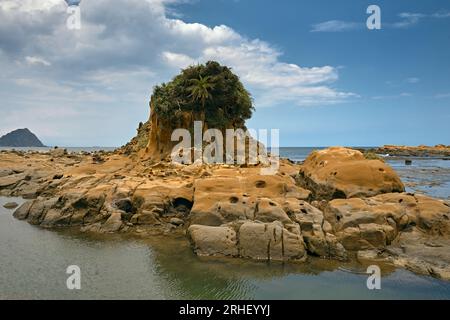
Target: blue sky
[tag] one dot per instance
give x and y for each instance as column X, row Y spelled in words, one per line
column 344, row 85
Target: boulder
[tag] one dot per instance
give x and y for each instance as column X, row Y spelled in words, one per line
column 374, row 223
column 39, row 209
column 9, row 181
column 22, row 212
column 176, row 221
column 213, row 241
column 113, row 224
column 397, row 210
column 146, row 217
column 345, row 173
column 315, row 232
column 223, row 199
column 56, row 217
column 270, row 241
column 10, row 205
column 270, row 211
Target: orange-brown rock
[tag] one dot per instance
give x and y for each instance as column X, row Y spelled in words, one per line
column 345, row 173
column 228, row 210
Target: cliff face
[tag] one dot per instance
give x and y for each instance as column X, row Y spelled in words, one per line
column 20, row 138
column 159, row 144
column 153, row 139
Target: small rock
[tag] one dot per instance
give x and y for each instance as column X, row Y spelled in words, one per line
column 57, row 152
column 176, row 221
column 10, row 205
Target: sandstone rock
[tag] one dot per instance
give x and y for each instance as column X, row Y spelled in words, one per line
column 86, row 208
column 10, row 205
column 318, row 241
column 58, row 152
column 22, row 212
column 208, row 197
column 366, row 236
column 434, row 216
column 270, row 241
column 125, row 205
column 56, row 217
column 176, row 221
column 269, row 211
column 345, row 173
column 10, row 181
column 236, row 211
column 223, row 199
column 213, row 241
column 397, row 210
column 113, row 224
column 5, row 172
column 39, row 209
column 146, row 217
column 416, row 251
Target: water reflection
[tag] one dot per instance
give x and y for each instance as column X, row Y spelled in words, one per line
column 34, row 262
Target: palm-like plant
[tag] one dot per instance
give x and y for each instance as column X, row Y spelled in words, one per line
column 200, row 90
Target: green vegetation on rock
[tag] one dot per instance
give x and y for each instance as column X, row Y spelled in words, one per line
column 210, row 92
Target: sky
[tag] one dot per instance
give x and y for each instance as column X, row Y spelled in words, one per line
column 314, row 69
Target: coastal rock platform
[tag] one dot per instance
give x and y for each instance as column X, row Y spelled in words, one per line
column 360, row 213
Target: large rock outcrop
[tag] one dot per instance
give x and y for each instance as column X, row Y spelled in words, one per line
column 227, row 210
column 345, row 173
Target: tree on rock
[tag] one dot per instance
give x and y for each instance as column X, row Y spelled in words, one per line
column 209, row 92
column 200, row 90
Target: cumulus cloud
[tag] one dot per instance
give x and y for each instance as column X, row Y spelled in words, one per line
column 126, row 47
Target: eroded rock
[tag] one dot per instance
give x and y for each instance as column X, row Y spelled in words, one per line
column 213, row 241
column 345, row 173
column 10, row 205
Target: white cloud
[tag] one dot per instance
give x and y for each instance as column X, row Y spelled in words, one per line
column 178, row 60
column 400, row 95
column 412, row 80
column 442, row 95
column 37, row 60
column 127, row 46
column 408, row 19
column 441, row 14
column 336, row 26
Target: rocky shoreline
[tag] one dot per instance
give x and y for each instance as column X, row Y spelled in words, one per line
column 336, row 205
column 438, row 151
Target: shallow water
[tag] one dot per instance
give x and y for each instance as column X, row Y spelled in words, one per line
column 34, row 261
column 427, row 176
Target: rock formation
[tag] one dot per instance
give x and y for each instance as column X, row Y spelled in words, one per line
column 439, row 150
column 337, row 205
column 346, row 173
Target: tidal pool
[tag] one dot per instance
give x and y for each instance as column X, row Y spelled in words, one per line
column 33, row 263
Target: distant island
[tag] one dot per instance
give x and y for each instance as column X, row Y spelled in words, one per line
column 20, row 138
